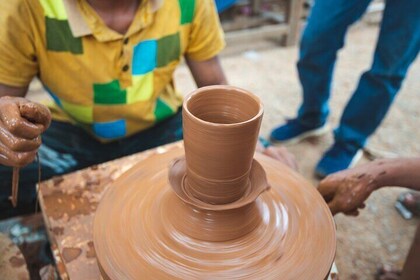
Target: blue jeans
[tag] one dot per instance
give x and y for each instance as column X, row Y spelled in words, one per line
column 67, row 148
column 397, row 47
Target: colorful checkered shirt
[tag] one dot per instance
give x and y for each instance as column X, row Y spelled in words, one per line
column 112, row 85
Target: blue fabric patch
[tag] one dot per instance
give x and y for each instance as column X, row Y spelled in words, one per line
column 55, row 97
column 110, row 130
column 144, row 57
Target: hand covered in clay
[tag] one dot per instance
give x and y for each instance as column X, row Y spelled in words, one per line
column 21, row 124
column 346, row 191
column 279, row 153
column 283, row 155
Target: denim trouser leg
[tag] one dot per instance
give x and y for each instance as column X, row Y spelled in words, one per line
column 397, row 47
column 322, row 38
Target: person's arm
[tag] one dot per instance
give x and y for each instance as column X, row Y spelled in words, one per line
column 347, row 190
column 12, row 91
column 207, row 72
column 21, row 121
column 404, row 172
column 205, row 42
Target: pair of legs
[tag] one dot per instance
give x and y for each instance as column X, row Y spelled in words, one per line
column 397, row 46
column 67, row 148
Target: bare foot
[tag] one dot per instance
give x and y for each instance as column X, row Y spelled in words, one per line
column 411, row 200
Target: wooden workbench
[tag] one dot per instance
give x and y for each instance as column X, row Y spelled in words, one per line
column 68, row 205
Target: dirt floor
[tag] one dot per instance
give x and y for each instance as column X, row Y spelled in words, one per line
column 379, row 234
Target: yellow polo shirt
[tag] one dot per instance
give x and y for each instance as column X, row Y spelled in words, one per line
column 112, row 85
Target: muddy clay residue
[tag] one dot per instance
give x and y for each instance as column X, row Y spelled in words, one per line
column 22, row 276
column 57, row 180
column 291, row 225
column 17, row 261
column 62, row 204
column 58, row 230
column 90, row 253
column 70, row 254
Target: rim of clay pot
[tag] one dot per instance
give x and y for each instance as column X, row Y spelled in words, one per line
column 226, row 88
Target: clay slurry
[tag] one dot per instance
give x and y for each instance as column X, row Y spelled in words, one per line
column 142, row 230
column 21, row 123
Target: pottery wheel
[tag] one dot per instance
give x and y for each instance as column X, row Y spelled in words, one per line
column 142, row 230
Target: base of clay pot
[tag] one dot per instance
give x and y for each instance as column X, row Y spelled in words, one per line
column 179, row 182
column 142, row 230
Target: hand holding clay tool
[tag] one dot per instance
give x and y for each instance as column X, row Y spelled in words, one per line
column 21, row 124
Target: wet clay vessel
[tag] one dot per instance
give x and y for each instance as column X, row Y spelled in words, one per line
column 216, row 211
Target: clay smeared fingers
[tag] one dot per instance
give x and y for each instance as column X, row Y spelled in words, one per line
column 16, row 159
column 36, row 113
column 354, row 213
column 283, row 155
column 17, row 125
column 17, row 144
column 333, row 207
column 327, row 188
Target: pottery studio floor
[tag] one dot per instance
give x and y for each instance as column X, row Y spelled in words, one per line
column 380, row 234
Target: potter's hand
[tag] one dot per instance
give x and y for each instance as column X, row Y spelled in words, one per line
column 21, row 124
column 283, row 155
column 347, row 190
column 278, row 153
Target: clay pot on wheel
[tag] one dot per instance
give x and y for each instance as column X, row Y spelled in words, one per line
column 221, row 126
column 223, row 214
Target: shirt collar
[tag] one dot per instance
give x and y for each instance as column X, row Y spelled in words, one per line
column 80, row 27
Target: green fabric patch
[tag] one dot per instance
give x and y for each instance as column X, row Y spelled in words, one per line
column 109, row 93
column 54, row 9
column 168, row 49
column 83, row 114
column 187, row 10
column 60, row 38
column 162, row 110
column 142, row 88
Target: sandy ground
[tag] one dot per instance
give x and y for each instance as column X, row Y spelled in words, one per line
column 379, row 235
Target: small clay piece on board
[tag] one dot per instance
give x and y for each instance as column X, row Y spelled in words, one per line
column 70, row 254
column 266, row 222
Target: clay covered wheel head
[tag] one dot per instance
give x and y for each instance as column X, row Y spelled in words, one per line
column 142, row 231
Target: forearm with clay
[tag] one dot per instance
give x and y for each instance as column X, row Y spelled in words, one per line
column 347, row 190
column 401, row 172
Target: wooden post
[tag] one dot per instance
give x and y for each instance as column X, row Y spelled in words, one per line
column 256, row 7
column 293, row 20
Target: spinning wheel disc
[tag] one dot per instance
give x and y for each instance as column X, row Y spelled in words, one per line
column 142, row 230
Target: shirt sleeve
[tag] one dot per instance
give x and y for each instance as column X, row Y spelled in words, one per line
column 18, row 63
column 206, row 38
